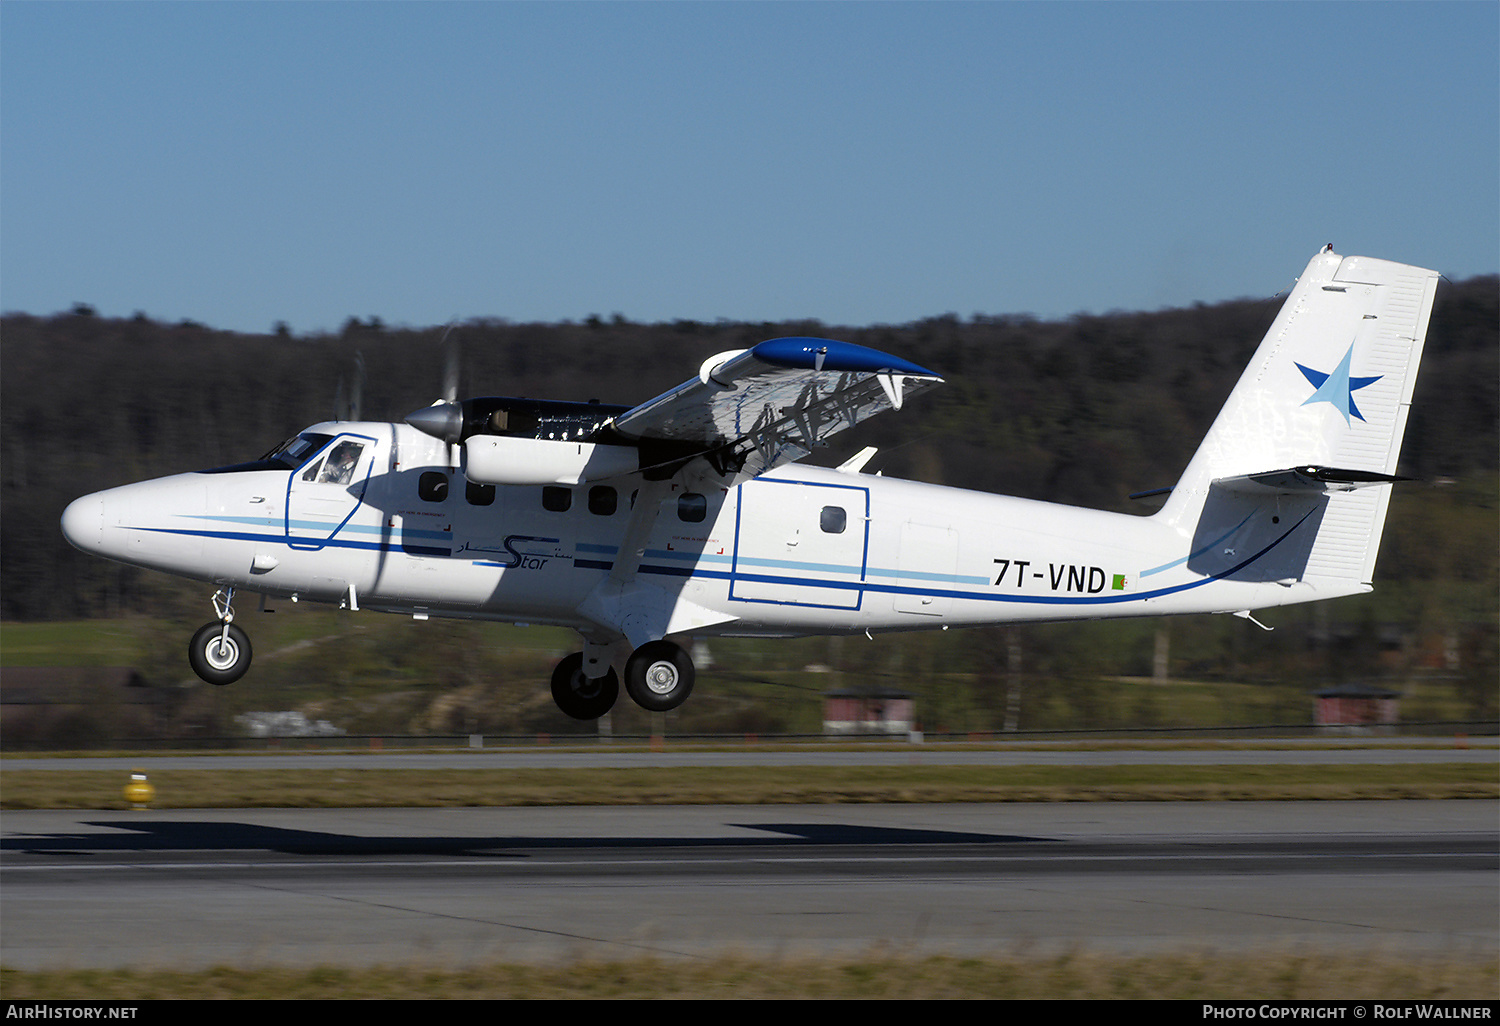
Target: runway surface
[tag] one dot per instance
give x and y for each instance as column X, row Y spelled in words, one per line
column 460, row 886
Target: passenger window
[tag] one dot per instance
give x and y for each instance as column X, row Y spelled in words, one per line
column 603, row 500
column 833, row 520
column 479, row 494
column 692, row 508
column 432, row 486
column 556, row 499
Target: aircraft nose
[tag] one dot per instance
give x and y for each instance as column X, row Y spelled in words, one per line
column 83, row 522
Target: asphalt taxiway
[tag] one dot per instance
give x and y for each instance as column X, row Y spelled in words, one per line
column 193, row 888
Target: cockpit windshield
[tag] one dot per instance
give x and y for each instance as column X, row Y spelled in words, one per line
column 289, row 455
column 295, row 451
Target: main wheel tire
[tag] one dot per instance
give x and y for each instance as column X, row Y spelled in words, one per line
column 659, row 676
column 582, row 697
column 219, row 658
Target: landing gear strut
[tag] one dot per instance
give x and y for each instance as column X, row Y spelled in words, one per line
column 220, row 651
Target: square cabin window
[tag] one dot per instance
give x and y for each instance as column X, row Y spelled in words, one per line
column 556, row 499
column 432, row 486
column 479, row 494
column 603, row 501
column 833, row 520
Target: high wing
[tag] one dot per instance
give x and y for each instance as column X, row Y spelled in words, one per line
column 751, row 410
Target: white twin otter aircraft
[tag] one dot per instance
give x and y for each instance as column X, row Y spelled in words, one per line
column 689, row 515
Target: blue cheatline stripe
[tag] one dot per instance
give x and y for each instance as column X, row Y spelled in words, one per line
column 920, row 575
column 378, row 529
column 1051, row 600
column 886, row 589
column 785, row 564
column 277, row 539
column 1046, row 600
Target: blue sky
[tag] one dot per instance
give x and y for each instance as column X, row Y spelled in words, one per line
column 245, row 163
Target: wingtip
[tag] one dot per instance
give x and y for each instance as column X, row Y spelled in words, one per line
column 826, row 354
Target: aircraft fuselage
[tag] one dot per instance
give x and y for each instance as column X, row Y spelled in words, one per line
column 798, row 550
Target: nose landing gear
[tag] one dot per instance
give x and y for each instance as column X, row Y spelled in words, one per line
column 220, row 652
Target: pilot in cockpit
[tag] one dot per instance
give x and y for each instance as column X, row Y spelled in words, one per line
column 341, row 463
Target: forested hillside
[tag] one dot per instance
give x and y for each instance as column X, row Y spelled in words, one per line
column 1083, row 411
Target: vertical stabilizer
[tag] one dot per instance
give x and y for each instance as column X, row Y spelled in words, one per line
column 1319, row 414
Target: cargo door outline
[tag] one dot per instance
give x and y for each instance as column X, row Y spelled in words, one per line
column 782, row 556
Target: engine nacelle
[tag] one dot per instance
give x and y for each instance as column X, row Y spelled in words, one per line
column 501, row 460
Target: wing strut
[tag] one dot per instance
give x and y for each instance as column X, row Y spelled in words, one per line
column 623, row 604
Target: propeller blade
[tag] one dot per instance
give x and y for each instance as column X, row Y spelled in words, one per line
column 349, row 396
column 357, row 388
column 450, row 364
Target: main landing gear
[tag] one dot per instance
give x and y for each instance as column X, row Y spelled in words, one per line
column 658, row 677
column 581, row 697
column 220, row 651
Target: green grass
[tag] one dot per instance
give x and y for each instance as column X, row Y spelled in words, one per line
column 72, row 643
column 373, row 674
column 879, row 975
column 751, row 785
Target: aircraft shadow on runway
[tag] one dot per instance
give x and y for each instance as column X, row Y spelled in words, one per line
column 141, row 836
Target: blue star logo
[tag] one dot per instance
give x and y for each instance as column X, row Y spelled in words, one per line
column 1337, row 388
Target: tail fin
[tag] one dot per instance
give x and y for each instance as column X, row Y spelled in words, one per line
column 1316, row 420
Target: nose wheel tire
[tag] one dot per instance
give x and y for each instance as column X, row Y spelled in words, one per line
column 219, row 657
column 659, row 676
column 582, row 697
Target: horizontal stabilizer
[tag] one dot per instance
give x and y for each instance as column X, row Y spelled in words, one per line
column 1301, row 480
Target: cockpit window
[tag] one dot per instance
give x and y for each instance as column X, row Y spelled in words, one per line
column 341, row 463
column 295, row 451
column 289, row 455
